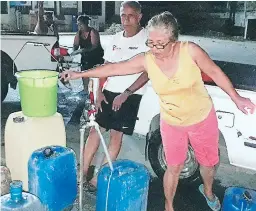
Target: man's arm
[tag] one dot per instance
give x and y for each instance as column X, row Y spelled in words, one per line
column 100, row 95
column 102, row 81
column 120, row 99
column 140, row 82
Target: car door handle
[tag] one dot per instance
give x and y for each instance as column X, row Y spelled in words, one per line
column 248, row 144
column 225, row 115
column 252, row 138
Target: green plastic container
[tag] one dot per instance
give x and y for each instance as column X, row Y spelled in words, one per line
column 38, row 92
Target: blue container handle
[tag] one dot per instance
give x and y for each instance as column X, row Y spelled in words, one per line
column 128, row 167
column 48, row 152
column 247, row 196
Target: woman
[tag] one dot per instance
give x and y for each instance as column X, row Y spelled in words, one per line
column 187, row 111
column 88, row 39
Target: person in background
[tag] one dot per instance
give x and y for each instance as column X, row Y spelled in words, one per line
column 187, row 112
column 88, row 40
column 117, row 106
column 45, row 24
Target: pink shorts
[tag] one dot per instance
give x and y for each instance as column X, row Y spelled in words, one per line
column 203, row 137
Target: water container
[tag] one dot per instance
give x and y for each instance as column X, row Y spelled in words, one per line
column 125, row 189
column 5, row 180
column 23, row 135
column 20, row 201
column 38, row 92
column 52, row 177
column 239, row 199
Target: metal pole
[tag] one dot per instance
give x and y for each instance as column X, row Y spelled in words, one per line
column 81, row 179
column 90, row 123
column 96, row 126
column 245, row 20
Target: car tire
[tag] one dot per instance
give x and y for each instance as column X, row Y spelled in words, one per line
column 190, row 172
column 4, row 82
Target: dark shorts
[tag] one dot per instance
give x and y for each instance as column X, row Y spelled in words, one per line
column 122, row 120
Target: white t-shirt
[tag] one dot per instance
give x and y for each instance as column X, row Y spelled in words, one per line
column 122, row 48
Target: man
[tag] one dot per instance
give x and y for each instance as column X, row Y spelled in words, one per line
column 117, row 106
column 45, row 24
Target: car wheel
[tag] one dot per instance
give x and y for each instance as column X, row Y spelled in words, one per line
column 157, row 160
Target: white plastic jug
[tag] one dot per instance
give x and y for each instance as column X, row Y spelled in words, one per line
column 24, row 135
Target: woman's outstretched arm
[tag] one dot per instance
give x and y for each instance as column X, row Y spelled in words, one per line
column 128, row 67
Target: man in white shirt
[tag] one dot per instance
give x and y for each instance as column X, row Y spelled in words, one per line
column 118, row 106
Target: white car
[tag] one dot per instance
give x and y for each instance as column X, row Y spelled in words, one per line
column 237, row 132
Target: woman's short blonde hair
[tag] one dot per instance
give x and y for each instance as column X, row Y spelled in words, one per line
column 165, row 22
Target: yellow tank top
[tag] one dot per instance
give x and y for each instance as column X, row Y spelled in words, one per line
column 183, row 98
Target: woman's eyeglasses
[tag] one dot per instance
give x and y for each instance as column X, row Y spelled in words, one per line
column 158, row 46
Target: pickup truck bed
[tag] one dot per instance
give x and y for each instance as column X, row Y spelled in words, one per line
column 31, row 56
column 243, row 76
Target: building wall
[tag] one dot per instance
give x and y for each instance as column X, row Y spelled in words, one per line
column 28, row 22
column 117, row 7
column 239, row 17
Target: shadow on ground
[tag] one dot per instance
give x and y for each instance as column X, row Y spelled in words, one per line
column 187, row 197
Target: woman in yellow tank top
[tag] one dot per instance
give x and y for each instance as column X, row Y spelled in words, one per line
column 187, row 111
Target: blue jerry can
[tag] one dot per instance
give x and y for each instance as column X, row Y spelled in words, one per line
column 125, row 189
column 52, row 177
column 239, row 199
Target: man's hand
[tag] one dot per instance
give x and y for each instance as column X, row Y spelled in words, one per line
column 119, row 100
column 100, row 98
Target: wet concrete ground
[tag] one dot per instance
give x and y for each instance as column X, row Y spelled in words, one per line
column 188, row 198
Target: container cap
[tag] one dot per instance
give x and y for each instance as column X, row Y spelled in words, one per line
column 48, row 152
column 16, row 190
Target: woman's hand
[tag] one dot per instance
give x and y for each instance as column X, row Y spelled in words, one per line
column 77, row 52
column 118, row 101
column 70, row 75
column 244, row 104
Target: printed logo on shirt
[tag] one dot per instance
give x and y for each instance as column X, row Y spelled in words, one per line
column 133, row 48
column 115, row 48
